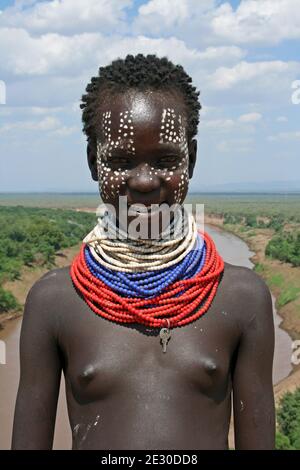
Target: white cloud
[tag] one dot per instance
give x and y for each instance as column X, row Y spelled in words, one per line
column 272, row 76
column 282, row 119
column 55, row 54
column 31, row 110
column 189, row 20
column 176, row 11
column 258, row 21
column 293, row 135
column 65, row 131
column 214, row 22
column 234, row 145
column 222, row 54
column 158, row 14
column 225, row 77
column 242, row 125
column 49, row 53
column 206, row 110
column 48, row 123
column 250, row 117
column 218, row 124
column 67, row 16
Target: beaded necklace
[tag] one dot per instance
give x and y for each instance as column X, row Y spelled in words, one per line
column 164, row 283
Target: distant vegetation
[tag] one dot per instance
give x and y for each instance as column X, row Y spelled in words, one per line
column 265, row 212
column 32, row 236
column 288, row 419
column 286, row 247
column 275, row 207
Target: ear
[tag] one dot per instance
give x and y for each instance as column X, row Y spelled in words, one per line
column 92, row 158
column 192, row 156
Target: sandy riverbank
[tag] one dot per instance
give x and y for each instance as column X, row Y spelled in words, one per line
column 21, row 287
column 290, row 313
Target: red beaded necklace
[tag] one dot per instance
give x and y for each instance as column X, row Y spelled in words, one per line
column 169, row 311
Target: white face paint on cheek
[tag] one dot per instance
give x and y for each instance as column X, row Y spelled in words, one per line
column 173, row 130
column 110, row 181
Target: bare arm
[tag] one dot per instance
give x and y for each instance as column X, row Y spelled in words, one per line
column 253, row 399
column 37, row 397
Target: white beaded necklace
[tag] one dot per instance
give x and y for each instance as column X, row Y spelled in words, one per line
column 128, row 255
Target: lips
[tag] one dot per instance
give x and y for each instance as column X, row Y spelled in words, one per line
column 148, row 206
column 145, row 208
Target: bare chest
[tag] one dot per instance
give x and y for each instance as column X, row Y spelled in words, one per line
column 103, row 359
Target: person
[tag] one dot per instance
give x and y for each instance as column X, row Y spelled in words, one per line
column 123, row 390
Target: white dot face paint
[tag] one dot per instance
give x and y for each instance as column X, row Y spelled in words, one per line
column 173, row 130
column 110, row 181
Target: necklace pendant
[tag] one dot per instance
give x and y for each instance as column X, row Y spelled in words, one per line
column 165, row 336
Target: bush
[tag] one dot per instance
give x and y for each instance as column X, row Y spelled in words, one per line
column 7, row 301
column 34, row 235
column 282, row 442
column 29, row 234
column 250, row 220
column 276, row 223
column 288, row 295
column 259, row 268
column 288, row 418
column 285, row 247
column 232, row 218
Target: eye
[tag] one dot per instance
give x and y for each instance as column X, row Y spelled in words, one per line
column 118, row 161
column 169, row 160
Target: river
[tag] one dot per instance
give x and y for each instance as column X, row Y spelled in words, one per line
column 233, row 250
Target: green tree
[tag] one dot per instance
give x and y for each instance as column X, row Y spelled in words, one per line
column 7, row 301
column 283, row 442
column 288, row 417
column 250, row 220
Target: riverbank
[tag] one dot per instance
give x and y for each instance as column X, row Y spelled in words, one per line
column 20, row 287
column 279, row 277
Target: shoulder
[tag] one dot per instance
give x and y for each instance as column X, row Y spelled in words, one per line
column 54, row 282
column 250, row 294
column 48, row 297
column 245, row 280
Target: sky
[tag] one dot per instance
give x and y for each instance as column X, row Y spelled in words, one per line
column 243, row 56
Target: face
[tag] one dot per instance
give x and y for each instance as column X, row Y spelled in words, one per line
column 142, row 151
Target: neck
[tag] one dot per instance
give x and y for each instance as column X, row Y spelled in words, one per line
column 160, row 227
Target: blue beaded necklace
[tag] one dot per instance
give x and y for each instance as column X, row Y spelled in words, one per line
column 150, row 283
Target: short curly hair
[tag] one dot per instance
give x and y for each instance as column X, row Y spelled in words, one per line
column 142, row 73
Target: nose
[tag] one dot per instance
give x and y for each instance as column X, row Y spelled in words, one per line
column 143, row 179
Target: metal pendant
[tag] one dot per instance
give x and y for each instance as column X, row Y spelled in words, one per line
column 165, row 336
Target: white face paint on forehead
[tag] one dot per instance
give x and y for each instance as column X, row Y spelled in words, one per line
column 111, row 181
column 173, row 130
